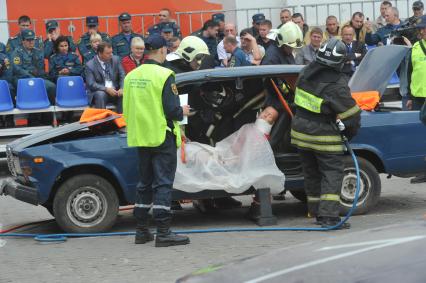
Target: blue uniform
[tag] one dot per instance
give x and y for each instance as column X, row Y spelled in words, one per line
column 212, row 45
column 84, row 42
column 156, row 29
column 121, row 43
column 30, row 64
column 89, row 55
column 71, row 61
column 2, row 48
column 16, row 41
column 49, row 47
column 238, row 59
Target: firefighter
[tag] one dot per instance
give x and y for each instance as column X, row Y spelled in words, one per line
column 323, row 97
column 189, row 55
column 288, row 38
column 152, row 109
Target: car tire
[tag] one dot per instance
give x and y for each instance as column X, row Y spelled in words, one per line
column 86, row 204
column 299, row 195
column 370, row 187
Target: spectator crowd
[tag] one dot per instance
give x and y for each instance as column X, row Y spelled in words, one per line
column 104, row 60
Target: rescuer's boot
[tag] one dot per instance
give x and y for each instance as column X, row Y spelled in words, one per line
column 327, row 221
column 142, row 234
column 142, row 226
column 165, row 237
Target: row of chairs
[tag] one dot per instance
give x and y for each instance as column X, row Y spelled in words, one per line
column 31, row 94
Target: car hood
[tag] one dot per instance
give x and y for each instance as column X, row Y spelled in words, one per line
column 377, row 68
column 33, row 139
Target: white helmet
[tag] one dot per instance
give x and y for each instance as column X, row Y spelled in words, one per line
column 291, row 35
column 190, row 47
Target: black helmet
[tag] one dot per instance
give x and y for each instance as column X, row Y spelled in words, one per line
column 332, row 53
column 216, row 96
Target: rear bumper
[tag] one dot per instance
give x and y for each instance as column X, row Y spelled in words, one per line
column 18, row 191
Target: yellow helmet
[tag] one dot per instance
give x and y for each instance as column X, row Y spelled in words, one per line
column 190, row 47
column 291, row 35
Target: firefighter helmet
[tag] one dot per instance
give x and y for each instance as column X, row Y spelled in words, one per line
column 332, row 53
column 191, row 48
column 291, row 35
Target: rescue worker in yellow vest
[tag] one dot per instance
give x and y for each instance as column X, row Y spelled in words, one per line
column 151, row 109
column 416, row 78
column 322, row 97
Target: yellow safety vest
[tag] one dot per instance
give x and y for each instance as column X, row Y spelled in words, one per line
column 418, row 59
column 143, row 106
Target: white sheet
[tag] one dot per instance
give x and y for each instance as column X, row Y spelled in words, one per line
column 238, row 162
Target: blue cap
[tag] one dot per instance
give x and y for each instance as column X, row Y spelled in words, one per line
column 124, row 17
column 50, row 25
column 219, row 17
column 421, row 22
column 27, row 34
column 257, row 18
column 418, row 5
column 167, row 27
column 154, row 41
column 92, row 21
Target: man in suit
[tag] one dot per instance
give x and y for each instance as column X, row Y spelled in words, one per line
column 105, row 78
column 354, row 49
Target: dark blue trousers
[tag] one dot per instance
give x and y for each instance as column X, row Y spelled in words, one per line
column 157, row 167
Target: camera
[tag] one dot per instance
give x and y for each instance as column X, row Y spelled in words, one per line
column 407, row 29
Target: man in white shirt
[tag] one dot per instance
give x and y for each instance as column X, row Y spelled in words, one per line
column 230, row 30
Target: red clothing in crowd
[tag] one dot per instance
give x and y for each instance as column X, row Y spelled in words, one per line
column 129, row 63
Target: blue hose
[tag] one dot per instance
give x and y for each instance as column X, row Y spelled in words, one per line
column 63, row 237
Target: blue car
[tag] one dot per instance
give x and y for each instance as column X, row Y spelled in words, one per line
column 83, row 172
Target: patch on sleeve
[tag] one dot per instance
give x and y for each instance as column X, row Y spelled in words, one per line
column 17, row 61
column 174, row 89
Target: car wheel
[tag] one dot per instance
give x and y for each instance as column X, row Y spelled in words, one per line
column 370, row 187
column 300, row 195
column 86, row 204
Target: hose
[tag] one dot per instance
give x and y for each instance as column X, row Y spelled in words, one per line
column 64, row 236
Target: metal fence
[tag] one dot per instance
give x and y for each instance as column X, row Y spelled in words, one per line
column 242, row 17
column 316, row 13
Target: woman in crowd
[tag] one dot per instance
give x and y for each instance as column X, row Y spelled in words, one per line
column 136, row 57
column 95, row 40
column 64, row 62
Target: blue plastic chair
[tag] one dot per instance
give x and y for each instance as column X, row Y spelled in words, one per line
column 6, row 103
column 394, row 80
column 70, row 92
column 31, row 94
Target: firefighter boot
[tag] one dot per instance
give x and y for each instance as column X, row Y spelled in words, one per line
column 142, row 227
column 142, row 234
column 327, row 221
column 165, row 237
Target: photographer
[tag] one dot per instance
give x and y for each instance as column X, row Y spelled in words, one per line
column 410, row 30
column 383, row 36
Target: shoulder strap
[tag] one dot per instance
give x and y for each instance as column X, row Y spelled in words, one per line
column 422, row 46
